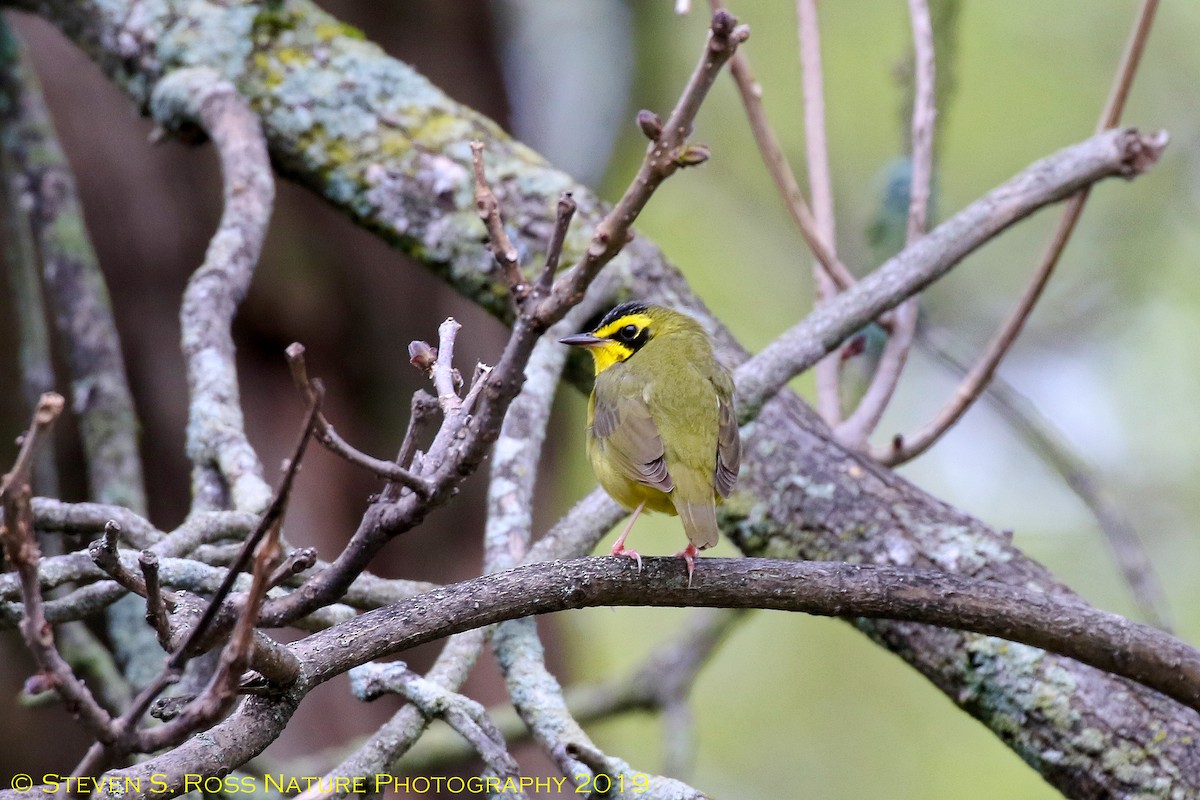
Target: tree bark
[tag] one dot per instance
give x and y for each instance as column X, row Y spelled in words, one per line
column 380, row 142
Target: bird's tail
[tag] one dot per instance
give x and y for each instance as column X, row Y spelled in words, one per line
column 698, row 514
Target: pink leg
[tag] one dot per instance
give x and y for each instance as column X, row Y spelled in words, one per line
column 689, row 555
column 619, row 548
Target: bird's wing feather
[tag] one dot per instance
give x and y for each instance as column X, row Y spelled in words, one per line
column 623, row 427
column 729, row 444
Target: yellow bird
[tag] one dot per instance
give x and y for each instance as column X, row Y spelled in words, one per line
column 662, row 434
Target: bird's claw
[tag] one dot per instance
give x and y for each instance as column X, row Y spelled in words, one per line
column 628, row 552
column 688, row 554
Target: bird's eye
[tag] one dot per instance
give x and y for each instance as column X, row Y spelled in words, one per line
column 629, row 333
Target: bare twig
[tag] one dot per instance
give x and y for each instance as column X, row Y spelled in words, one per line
column 479, row 382
column 464, row 715
column 235, row 656
column 420, row 415
column 156, row 608
column 665, row 154
column 20, row 545
column 296, row 562
column 781, row 171
column 499, row 245
column 226, row 469
column 104, row 553
column 327, row 436
column 858, row 427
column 1123, row 153
column 828, row 370
column 267, row 530
column 905, row 448
column 220, row 690
column 562, row 222
column 445, row 377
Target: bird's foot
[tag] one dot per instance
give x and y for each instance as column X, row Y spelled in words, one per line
column 688, row 554
column 619, row 549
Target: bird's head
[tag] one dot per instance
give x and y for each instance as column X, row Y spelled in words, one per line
column 624, row 331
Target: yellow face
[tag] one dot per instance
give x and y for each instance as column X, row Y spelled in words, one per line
column 619, row 335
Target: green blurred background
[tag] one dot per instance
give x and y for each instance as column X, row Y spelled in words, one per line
column 791, row 706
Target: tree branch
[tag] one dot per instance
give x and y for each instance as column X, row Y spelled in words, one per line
column 781, row 171
column 226, row 470
column 667, row 152
column 20, row 545
column 1124, row 153
column 854, row 432
column 1062, row 624
column 75, row 287
column 905, row 448
column 828, row 371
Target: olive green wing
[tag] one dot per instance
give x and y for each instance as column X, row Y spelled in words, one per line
column 729, row 442
column 628, row 436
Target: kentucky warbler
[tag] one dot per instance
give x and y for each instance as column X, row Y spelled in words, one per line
column 662, row 434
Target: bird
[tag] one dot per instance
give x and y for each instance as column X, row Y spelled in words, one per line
column 662, row 434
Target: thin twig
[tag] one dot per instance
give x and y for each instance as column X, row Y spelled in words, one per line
column 421, row 413
column 104, row 552
column 333, row 442
column 271, row 521
column 562, row 222
column 828, row 370
column 156, row 608
column 1124, row 153
column 856, row 430
column 478, row 384
column 235, row 656
column 907, row 447
column 128, row 738
column 664, row 156
column 444, row 375
column 20, row 545
column 499, row 245
column 781, row 171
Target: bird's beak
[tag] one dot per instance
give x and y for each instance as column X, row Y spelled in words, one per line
column 581, row 340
